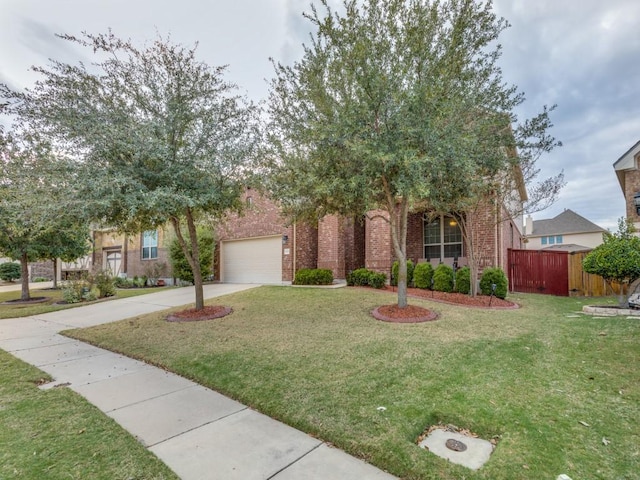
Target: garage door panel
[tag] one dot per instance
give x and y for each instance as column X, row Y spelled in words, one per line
column 257, row 260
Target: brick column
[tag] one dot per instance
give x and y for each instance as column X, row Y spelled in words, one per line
column 378, row 251
column 331, row 252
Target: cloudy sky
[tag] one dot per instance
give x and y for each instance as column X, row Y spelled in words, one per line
column 583, row 55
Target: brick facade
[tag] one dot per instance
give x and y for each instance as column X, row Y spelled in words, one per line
column 262, row 218
column 342, row 244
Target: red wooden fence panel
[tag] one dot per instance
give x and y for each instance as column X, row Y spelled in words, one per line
column 539, row 271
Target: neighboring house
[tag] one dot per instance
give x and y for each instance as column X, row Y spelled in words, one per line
column 260, row 247
column 567, row 231
column 130, row 255
column 628, row 173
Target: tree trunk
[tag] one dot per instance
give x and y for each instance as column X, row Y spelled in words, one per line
column 24, row 265
column 191, row 254
column 399, row 240
column 197, row 272
column 55, row 273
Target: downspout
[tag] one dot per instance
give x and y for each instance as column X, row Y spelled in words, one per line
column 295, row 248
column 497, row 241
column 125, row 255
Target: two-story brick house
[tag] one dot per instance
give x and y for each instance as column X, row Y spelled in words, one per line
column 628, row 172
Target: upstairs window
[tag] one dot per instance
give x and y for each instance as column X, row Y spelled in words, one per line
column 150, row 244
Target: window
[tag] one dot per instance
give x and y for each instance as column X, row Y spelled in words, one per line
column 558, row 238
column 552, row 240
column 544, row 240
column 150, row 244
column 442, row 238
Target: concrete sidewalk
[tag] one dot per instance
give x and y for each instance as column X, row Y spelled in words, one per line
column 197, row 432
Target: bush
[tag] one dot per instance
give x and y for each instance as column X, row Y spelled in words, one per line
column 359, row 277
column 377, row 280
column 463, row 280
column 422, row 275
column 363, row 277
column 73, row 291
column 491, row 276
column 105, row 284
column 313, row 276
column 395, row 269
column 443, row 278
column 123, row 282
column 10, row 271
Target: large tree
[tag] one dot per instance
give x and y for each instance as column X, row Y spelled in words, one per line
column 161, row 137
column 38, row 218
column 388, row 94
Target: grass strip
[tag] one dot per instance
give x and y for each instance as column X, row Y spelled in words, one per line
column 56, row 434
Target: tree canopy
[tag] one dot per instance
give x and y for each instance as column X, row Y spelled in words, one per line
column 395, row 105
column 618, row 258
column 159, row 136
column 38, row 219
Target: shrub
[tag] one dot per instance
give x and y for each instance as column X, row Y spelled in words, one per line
column 313, row 276
column 39, row 280
column 154, row 271
column 395, row 270
column 359, row 277
column 422, row 275
column 10, row 271
column 366, row 278
column 463, row 280
column 139, row 282
column 443, row 278
column 105, row 284
column 123, row 282
column 492, row 276
column 377, row 280
column 73, row 291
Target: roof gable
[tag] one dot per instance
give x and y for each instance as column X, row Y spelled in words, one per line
column 626, row 162
column 564, row 223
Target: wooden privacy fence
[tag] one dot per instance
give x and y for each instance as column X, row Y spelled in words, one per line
column 554, row 273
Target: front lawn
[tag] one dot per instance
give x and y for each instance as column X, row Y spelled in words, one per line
column 56, row 434
column 54, row 296
column 558, row 389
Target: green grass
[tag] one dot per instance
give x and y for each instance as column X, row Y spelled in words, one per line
column 317, row 360
column 26, row 310
column 56, row 434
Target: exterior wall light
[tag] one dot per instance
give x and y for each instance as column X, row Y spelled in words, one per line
column 285, row 239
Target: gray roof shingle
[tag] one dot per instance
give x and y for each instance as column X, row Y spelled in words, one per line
column 564, row 223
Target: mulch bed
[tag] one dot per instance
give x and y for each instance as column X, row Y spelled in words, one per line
column 32, row 300
column 408, row 314
column 193, row 315
column 479, row 301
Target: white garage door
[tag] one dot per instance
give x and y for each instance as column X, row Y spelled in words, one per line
column 257, row 260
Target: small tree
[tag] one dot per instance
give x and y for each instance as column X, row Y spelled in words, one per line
column 617, row 259
column 159, row 136
column 9, row 271
column 38, row 218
